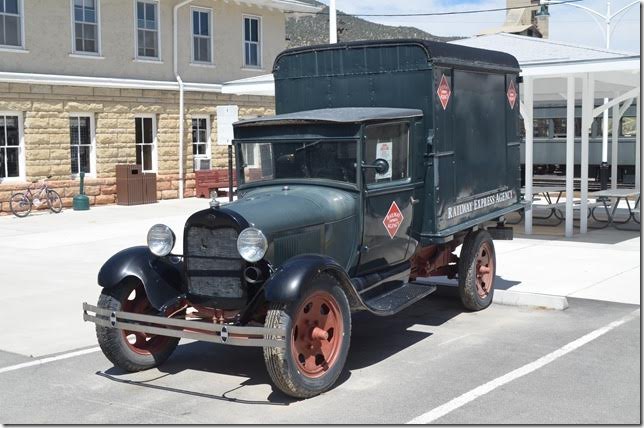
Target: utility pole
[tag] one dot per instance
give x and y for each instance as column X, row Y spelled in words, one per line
column 333, row 24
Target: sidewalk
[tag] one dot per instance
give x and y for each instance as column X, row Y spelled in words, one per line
column 50, row 262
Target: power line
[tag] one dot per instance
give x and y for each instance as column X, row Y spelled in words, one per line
column 462, row 12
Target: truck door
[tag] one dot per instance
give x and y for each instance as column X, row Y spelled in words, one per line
column 387, row 202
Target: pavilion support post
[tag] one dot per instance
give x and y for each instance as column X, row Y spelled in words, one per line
column 638, row 142
column 587, row 104
column 614, row 147
column 528, row 98
column 570, row 154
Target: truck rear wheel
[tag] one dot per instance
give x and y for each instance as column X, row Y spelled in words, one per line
column 476, row 270
column 318, row 327
column 131, row 351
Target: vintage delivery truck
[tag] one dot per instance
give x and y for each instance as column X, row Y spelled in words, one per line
column 382, row 160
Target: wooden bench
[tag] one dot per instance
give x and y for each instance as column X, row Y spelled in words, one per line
column 213, row 179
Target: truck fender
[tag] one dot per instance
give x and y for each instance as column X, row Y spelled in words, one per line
column 293, row 276
column 160, row 277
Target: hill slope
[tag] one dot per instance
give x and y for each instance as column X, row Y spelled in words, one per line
column 313, row 30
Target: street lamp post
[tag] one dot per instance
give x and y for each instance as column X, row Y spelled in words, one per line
column 607, row 18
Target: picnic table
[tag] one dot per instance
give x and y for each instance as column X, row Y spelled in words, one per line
column 604, row 197
column 553, row 206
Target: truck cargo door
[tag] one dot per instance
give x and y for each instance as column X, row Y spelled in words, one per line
column 387, row 197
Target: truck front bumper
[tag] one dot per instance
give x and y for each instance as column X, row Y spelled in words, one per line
column 197, row 330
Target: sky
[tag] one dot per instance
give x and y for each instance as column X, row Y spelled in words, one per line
column 567, row 23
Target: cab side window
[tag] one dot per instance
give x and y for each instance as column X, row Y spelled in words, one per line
column 391, row 143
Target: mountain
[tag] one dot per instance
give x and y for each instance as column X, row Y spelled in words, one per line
column 305, row 30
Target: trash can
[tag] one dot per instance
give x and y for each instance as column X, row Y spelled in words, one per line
column 129, row 184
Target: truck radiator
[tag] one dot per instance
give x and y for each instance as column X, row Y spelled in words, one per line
column 213, row 265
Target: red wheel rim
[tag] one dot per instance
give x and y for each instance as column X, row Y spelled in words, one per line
column 317, row 334
column 484, row 270
column 141, row 343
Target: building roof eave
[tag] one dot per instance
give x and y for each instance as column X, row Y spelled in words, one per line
column 104, row 82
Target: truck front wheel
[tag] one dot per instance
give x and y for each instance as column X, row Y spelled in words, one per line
column 476, row 270
column 318, row 331
column 131, row 351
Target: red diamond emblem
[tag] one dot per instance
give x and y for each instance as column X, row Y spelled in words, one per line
column 444, row 92
column 393, row 220
column 512, row 94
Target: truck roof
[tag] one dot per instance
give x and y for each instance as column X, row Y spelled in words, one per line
column 437, row 52
column 335, row 115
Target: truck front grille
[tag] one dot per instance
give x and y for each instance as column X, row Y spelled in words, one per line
column 213, row 264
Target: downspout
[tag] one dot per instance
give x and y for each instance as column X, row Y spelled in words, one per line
column 180, row 82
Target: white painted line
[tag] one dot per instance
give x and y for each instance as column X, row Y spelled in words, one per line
column 49, row 359
column 479, row 391
column 454, row 339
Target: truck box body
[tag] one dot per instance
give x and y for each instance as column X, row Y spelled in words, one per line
column 466, row 148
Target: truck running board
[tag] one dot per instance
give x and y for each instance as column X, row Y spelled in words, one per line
column 197, row 330
column 398, row 298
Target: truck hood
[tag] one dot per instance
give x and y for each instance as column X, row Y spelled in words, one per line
column 275, row 209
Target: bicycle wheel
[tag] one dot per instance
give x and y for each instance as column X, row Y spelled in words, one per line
column 20, row 205
column 54, row 201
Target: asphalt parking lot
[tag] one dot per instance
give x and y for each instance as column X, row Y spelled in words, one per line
column 399, row 368
column 431, row 363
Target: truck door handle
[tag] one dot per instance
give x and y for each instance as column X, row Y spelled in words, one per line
column 413, row 201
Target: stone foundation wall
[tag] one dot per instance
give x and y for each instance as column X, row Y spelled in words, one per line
column 46, row 110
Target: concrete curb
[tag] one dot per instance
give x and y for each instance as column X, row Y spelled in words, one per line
column 516, row 298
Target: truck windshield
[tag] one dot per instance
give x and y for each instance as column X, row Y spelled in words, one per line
column 331, row 160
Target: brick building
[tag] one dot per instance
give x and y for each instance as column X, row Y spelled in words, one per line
column 88, row 84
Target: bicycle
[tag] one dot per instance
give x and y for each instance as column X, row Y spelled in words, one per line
column 21, row 203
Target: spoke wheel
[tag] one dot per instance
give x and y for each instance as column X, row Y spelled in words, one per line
column 317, row 334
column 54, row 201
column 142, row 343
column 484, row 270
column 476, row 270
column 20, row 205
column 128, row 350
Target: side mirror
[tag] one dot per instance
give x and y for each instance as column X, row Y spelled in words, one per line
column 380, row 165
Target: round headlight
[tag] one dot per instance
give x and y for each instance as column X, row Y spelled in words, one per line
column 160, row 240
column 252, row 244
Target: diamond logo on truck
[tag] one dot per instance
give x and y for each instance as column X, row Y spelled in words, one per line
column 444, row 92
column 393, row 220
column 512, row 94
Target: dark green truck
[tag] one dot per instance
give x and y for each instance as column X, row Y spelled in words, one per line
column 383, row 158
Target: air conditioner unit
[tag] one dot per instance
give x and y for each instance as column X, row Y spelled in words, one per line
column 201, row 164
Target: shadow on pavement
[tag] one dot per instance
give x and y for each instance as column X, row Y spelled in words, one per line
column 374, row 339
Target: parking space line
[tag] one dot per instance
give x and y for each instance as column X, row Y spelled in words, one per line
column 49, row 359
column 479, row 391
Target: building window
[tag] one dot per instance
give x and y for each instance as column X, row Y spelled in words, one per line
column 10, row 23
column 201, row 36
column 146, row 143
column 147, row 29
column 200, row 137
column 252, row 46
column 81, row 144
column 9, row 146
column 86, row 26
